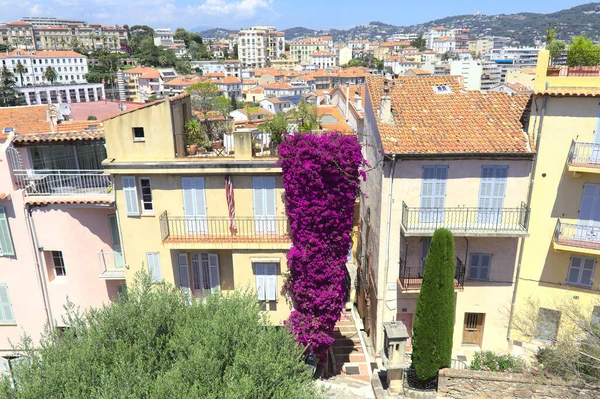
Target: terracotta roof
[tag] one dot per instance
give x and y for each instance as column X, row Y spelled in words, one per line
column 352, row 90
column 275, row 100
column 331, row 119
column 420, row 72
column 18, row 23
column 323, row 54
column 256, row 90
column 568, row 92
column 187, row 80
column 229, row 80
column 517, row 86
column 439, row 28
column 351, row 72
column 231, row 61
column 145, row 72
column 40, row 54
column 82, row 135
column 214, row 75
column 272, row 71
column 450, row 122
column 250, row 82
column 278, row 85
column 25, row 120
column 4, row 196
column 51, row 200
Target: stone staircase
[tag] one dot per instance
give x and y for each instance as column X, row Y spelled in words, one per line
column 350, row 360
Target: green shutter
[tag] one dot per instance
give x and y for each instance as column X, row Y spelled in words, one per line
column 6, row 245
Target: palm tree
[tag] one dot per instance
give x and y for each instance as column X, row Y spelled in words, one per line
column 20, row 69
column 50, row 74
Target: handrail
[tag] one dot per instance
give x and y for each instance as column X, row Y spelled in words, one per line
column 584, row 154
column 64, row 182
column 584, row 234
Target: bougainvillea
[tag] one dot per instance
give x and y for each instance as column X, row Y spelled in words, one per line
column 321, row 178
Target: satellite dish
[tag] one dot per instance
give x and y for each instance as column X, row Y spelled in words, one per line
column 64, row 109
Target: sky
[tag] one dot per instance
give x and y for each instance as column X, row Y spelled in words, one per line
column 236, row 14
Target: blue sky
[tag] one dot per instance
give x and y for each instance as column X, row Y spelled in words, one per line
column 235, row 14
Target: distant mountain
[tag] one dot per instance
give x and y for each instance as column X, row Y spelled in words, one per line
column 524, row 28
column 215, row 33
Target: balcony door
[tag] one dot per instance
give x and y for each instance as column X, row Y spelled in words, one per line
column 492, row 190
column 194, row 205
column 205, row 273
column 433, row 194
column 115, row 239
column 588, row 224
column 265, row 209
column 595, row 154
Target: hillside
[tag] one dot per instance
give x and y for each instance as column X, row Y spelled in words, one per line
column 524, row 28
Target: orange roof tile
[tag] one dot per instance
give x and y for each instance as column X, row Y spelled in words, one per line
column 214, row 75
column 185, row 81
column 40, row 54
column 229, row 80
column 455, row 122
column 331, row 119
column 323, row 54
column 569, row 92
column 278, row 85
column 56, row 200
column 145, row 72
column 420, row 72
column 26, row 120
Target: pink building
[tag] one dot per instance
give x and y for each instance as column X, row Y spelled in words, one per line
column 59, row 235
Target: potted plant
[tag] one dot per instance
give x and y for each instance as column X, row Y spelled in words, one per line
column 194, row 136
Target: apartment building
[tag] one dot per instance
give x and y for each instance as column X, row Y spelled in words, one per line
column 349, row 99
column 259, row 45
column 59, row 235
column 436, row 33
column 17, row 34
column 399, row 65
column 50, row 21
column 561, row 255
column 141, row 83
column 230, row 86
column 477, row 75
column 324, row 59
column 203, row 223
column 71, row 67
column 435, row 171
column 302, row 51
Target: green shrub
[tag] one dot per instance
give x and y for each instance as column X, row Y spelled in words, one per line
column 434, row 315
column 489, row 361
column 92, row 118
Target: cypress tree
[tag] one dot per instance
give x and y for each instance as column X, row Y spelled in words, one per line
column 434, row 317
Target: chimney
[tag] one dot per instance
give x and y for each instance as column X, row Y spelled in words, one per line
column 242, row 143
column 385, row 110
column 52, row 117
column 357, row 101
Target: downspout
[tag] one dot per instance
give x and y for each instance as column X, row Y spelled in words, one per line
column 347, row 95
column 389, row 228
column 118, row 218
column 529, row 195
column 38, row 265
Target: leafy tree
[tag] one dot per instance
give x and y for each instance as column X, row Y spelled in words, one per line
column 434, row 315
column 20, row 69
column 550, row 36
column 287, row 47
column 235, row 52
column 275, row 126
column 447, row 56
column 583, row 52
column 207, row 100
column 233, row 102
column 9, row 95
column 305, row 115
column 50, row 74
column 154, row 344
column 419, row 43
column 183, row 67
column 556, row 48
column 92, row 118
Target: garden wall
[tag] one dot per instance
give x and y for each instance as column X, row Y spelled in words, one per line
column 485, row 384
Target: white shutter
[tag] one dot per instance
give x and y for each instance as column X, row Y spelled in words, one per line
column 4, row 367
column 215, row 279
column 184, row 273
column 486, row 187
column 441, row 175
column 427, row 186
column 6, row 244
column 6, row 312
column 270, row 202
column 259, row 270
column 132, row 206
column 194, row 205
column 153, row 259
column 271, row 271
column 258, row 185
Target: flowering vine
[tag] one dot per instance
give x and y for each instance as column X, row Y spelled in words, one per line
column 321, row 181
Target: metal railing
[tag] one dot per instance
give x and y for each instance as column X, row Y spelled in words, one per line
column 584, row 155
column 220, row 229
column 465, row 219
column 112, row 265
column 580, row 235
column 63, row 182
column 411, row 278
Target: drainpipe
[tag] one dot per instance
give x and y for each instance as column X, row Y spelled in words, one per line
column 389, row 229
column 347, row 95
column 529, row 195
column 39, row 265
column 118, row 218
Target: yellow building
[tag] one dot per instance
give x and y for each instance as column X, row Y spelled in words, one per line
column 174, row 210
column 560, row 256
column 285, row 64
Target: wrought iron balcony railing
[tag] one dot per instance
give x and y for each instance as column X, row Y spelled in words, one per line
column 221, row 229
column 63, row 182
column 586, row 155
column 464, row 219
column 411, row 278
column 112, row 265
column 584, row 234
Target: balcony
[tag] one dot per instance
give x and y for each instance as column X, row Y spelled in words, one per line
column 112, row 266
column 580, row 237
column 220, row 232
column 584, row 158
column 63, row 182
column 411, row 278
column 465, row 221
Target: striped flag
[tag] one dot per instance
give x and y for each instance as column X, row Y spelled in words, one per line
column 230, row 204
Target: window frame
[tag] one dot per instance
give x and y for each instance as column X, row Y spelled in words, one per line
column 136, row 138
column 538, row 336
column 580, row 272
column 479, row 266
column 267, row 277
column 54, row 254
column 143, row 202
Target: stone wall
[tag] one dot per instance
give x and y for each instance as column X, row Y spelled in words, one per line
column 489, row 385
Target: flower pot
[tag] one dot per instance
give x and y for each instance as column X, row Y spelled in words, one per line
column 201, row 150
column 192, row 149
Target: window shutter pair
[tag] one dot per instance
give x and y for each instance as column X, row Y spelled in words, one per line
column 6, row 244
column 266, row 281
column 153, row 259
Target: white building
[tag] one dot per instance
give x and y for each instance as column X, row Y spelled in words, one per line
column 70, row 67
column 163, row 37
column 436, row 33
column 344, row 55
column 324, row 59
column 211, row 66
column 477, row 75
column 49, row 21
column 260, row 44
column 399, row 65
column 444, row 44
column 56, row 94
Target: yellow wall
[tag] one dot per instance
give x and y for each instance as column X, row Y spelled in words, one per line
column 519, row 76
column 557, row 82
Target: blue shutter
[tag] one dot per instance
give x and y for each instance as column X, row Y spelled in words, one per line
column 6, row 244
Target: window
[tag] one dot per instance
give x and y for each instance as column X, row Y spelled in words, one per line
column 473, row 328
column 146, row 189
column 595, row 320
column 6, row 312
column 546, row 328
column 266, row 281
column 433, row 193
column 265, row 208
column 138, row 134
column 153, row 259
column 581, row 271
column 205, row 273
column 131, row 197
column 6, row 244
column 59, row 264
column 479, row 267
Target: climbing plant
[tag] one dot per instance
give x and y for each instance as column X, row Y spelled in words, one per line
column 321, row 178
